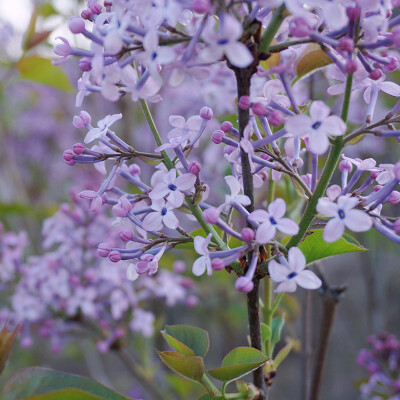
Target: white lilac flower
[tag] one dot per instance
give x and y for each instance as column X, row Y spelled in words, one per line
column 203, row 263
column 291, row 273
column 318, row 126
column 234, row 197
column 271, row 221
column 343, row 216
column 102, row 127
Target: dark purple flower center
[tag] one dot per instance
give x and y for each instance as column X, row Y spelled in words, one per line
column 316, row 125
column 221, row 42
column 292, row 275
column 341, row 214
column 272, row 220
column 154, row 56
column 163, row 211
column 172, row 187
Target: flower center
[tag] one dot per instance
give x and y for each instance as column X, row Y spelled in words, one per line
column 172, row 187
column 272, row 220
column 341, row 214
column 163, row 211
column 221, row 42
column 316, row 125
column 291, row 275
column 154, row 56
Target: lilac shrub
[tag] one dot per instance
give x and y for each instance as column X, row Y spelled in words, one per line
column 284, row 133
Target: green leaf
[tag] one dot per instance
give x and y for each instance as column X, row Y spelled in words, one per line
column 35, row 381
column 313, row 60
column 41, row 70
column 47, row 9
column 189, row 367
column 276, row 328
column 65, row 394
column 205, row 396
column 187, row 340
column 237, row 363
column 315, row 248
column 283, row 353
column 265, row 332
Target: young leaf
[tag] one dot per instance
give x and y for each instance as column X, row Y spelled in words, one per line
column 283, row 353
column 35, row 381
column 265, row 332
column 65, row 394
column 41, row 70
column 237, row 363
column 276, row 328
column 315, row 248
column 189, row 367
column 187, row 340
column 311, row 62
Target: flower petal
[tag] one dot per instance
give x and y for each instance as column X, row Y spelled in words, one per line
column 319, row 110
column 277, row 208
column 265, row 233
column 185, row 181
column 287, row 226
column 334, row 125
column 170, row 220
column 357, row 221
column 199, row 266
column 238, row 54
column 327, row 207
column 288, row 285
column 258, row 216
column 308, row 280
column 333, row 230
column 296, row 260
column 152, row 221
column 277, row 272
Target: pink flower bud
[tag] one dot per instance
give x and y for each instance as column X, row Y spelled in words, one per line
column 201, row 6
column 114, row 256
column 70, row 163
column 374, row 174
column 265, row 156
column 244, row 102
column 353, row 13
column 244, row 284
column 346, row 44
column 122, row 208
column 80, row 121
column 217, row 264
column 179, row 267
column 226, row 126
column 108, row 3
column 394, row 197
column 68, row 155
column 134, row 169
column 76, row 25
column 95, row 8
column 85, row 64
column 206, row 113
column 351, row 67
column 392, row 66
column 192, row 301
column 377, row 188
column 126, row 235
column 375, row 74
column 187, row 283
column 211, row 215
column 103, row 250
column 275, row 118
column 247, row 234
column 217, row 136
column 396, row 226
column 63, row 49
column 299, row 28
column 345, row 165
column 194, row 167
column 259, row 109
column 86, row 14
column 78, row 148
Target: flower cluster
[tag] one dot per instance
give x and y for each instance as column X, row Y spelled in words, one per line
column 69, row 288
column 382, row 362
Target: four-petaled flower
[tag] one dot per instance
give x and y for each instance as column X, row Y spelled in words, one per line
column 162, row 215
column 344, row 216
column 203, row 263
column 291, row 273
column 234, row 197
column 102, row 127
column 172, row 187
column 272, row 220
column 318, row 126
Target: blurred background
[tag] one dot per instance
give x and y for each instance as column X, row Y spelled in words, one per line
column 36, row 127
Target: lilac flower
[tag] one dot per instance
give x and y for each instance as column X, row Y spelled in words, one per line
column 318, row 126
column 226, row 42
column 172, row 187
column 234, row 197
column 102, row 127
column 291, row 273
column 344, row 216
column 203, row 263
column 272, row 220
column 162, row 215
column 149, row 263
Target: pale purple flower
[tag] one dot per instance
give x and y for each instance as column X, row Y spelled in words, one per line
column 203, row 263
column 235, row 196
column 143, row 322
column 149, row 263
column 318, row 126
column 97, row 200
column 102, row 127
column 272, row 220
column 162, row 215
column 225, row 41
column 344, row 216
column 291, row 273
column 172, row 187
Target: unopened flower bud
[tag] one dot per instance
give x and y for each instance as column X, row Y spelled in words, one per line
column 85, row 64
column 134, row 169
column 217, row 264
column 211, row 215
column 86, row 14
column 95, row 8
column 217, row 136
column 374, row 174
column 103, row 250
column 345, row 165
column 78, row 148
column 68, row 155
column 194, row 167
column 192, row 301
column 80, row 121
column 226, row 126
column 259, row 109
column 206, row 113
column 377, row 188
column 275, row 118
column 201, row 6
column 63, row 49
column 265, row 156
column 375, row 74
column 126, row 235
column 114, row 256
column 179, row 267
column 244, row 284
column 351, row 67
column 346, row 44
column 392, row 66
column 247, row 234
column 396, row 226
column 394, row 197
column 76, row 25
column 244, row 102
column 353, row 13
